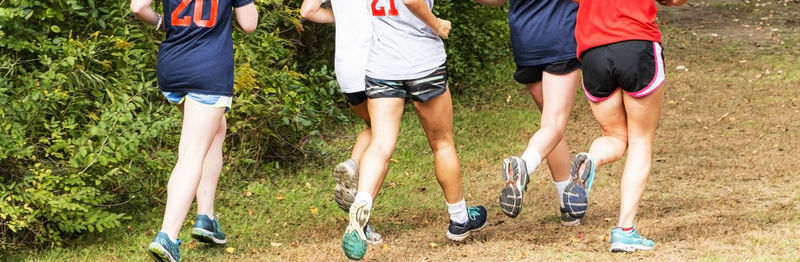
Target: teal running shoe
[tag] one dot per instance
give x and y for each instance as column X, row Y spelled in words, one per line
column 475, row 222
column 515, row 178
column 354, row 240
column 629, row 241
column 208, row 231
column 164, row 250
column 576, row 194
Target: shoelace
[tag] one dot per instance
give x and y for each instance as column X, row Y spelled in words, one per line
column 472, row 212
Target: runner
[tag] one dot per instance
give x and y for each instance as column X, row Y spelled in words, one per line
column 353, row 38
column 620, row 52
column 543, row 42
column 195, row 64
column 407, row 60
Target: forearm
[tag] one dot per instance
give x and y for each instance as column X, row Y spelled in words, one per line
column 312, row 11
column 421, row 10
column 492, row 2
column 247, row 17
column 142, row 10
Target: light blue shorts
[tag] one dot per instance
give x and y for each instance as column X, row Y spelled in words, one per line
column 205, row 100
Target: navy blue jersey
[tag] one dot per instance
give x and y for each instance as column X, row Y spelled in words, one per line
column 197, row 55
column 542, row 31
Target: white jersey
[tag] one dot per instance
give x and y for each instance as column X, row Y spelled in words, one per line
column 353, row 38
column 403, row 47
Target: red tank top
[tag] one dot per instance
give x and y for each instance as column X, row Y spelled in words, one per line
column 602, row 22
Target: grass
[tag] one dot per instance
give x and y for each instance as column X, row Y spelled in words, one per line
column 723, row 184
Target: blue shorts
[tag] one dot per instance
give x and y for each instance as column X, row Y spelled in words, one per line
column 206, row 100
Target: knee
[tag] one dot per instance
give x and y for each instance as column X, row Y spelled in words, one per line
column 556, row 125
column 442, row 146
column 382, row 148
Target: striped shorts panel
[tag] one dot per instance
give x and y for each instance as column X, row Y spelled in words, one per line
column 420, row 90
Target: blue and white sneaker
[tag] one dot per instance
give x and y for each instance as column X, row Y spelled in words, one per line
column 568, row 220
column 475, row 222
column 630, row 241
column 208, row 231
column 346, row 176
column 354, row 240
column 163, row 249
column 576, row 194
column 516, row 178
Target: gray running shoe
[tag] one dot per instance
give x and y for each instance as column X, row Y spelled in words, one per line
column 346, row 175
column 515, row 177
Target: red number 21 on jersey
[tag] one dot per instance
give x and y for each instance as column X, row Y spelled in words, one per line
column 382, row 11
column 198, row 14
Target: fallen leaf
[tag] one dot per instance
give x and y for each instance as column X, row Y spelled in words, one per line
column 433, row 245
column 581, row 235
column 308, row 185
column 671, row 102
column 275, row 244
column 230, row 250
column 385, row 247
column 130, row 229
column 251, row 212
column 313, row 210
column 279, row 196
column 192, row 245
column 523, row 256
column 247, row 193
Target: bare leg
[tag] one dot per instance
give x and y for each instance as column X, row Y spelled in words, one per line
column 200, row 125
column 436, row 117
column 386, row 115
column 554, row 96
column 610, row 114
column 362, row 140
column 212, row 167
column 643, row 116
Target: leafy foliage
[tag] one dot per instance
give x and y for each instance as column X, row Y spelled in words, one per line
column 85, row 134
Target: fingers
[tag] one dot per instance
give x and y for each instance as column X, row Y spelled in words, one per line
column 443, row 30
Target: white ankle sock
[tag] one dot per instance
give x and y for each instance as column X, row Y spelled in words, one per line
column 560, row 186
column 532, row 159
column 458, row 211
column 364, row 196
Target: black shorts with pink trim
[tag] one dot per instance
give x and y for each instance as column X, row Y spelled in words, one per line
column 636, row 67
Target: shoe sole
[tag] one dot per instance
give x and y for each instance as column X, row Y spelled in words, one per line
column 511, row 196
column 346, row 176
column 159, row 253
column 628, row 248
column 359, row 216
column 577, row 192
column 461, row 237
column 574, row 223
column 207, row 237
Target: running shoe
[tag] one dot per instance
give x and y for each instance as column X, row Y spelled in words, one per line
column 354, row 240
column 208, row 231
column 515, row 177
column 476, row 222
column 576, row 194
column 630, row 241
column 346, row 175
column 568, row 220
column 164, row 250
column 373, row 238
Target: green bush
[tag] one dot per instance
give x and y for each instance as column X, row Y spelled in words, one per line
column 85, row 134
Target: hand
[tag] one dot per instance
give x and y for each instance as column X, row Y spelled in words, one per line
column 443, row 29
column 671, row 2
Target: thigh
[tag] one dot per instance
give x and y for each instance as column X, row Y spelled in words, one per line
column 200, row 124
column 558, row 93
column 610, row 115
column 436, row 118
column 385, row 117
column 643, row 115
